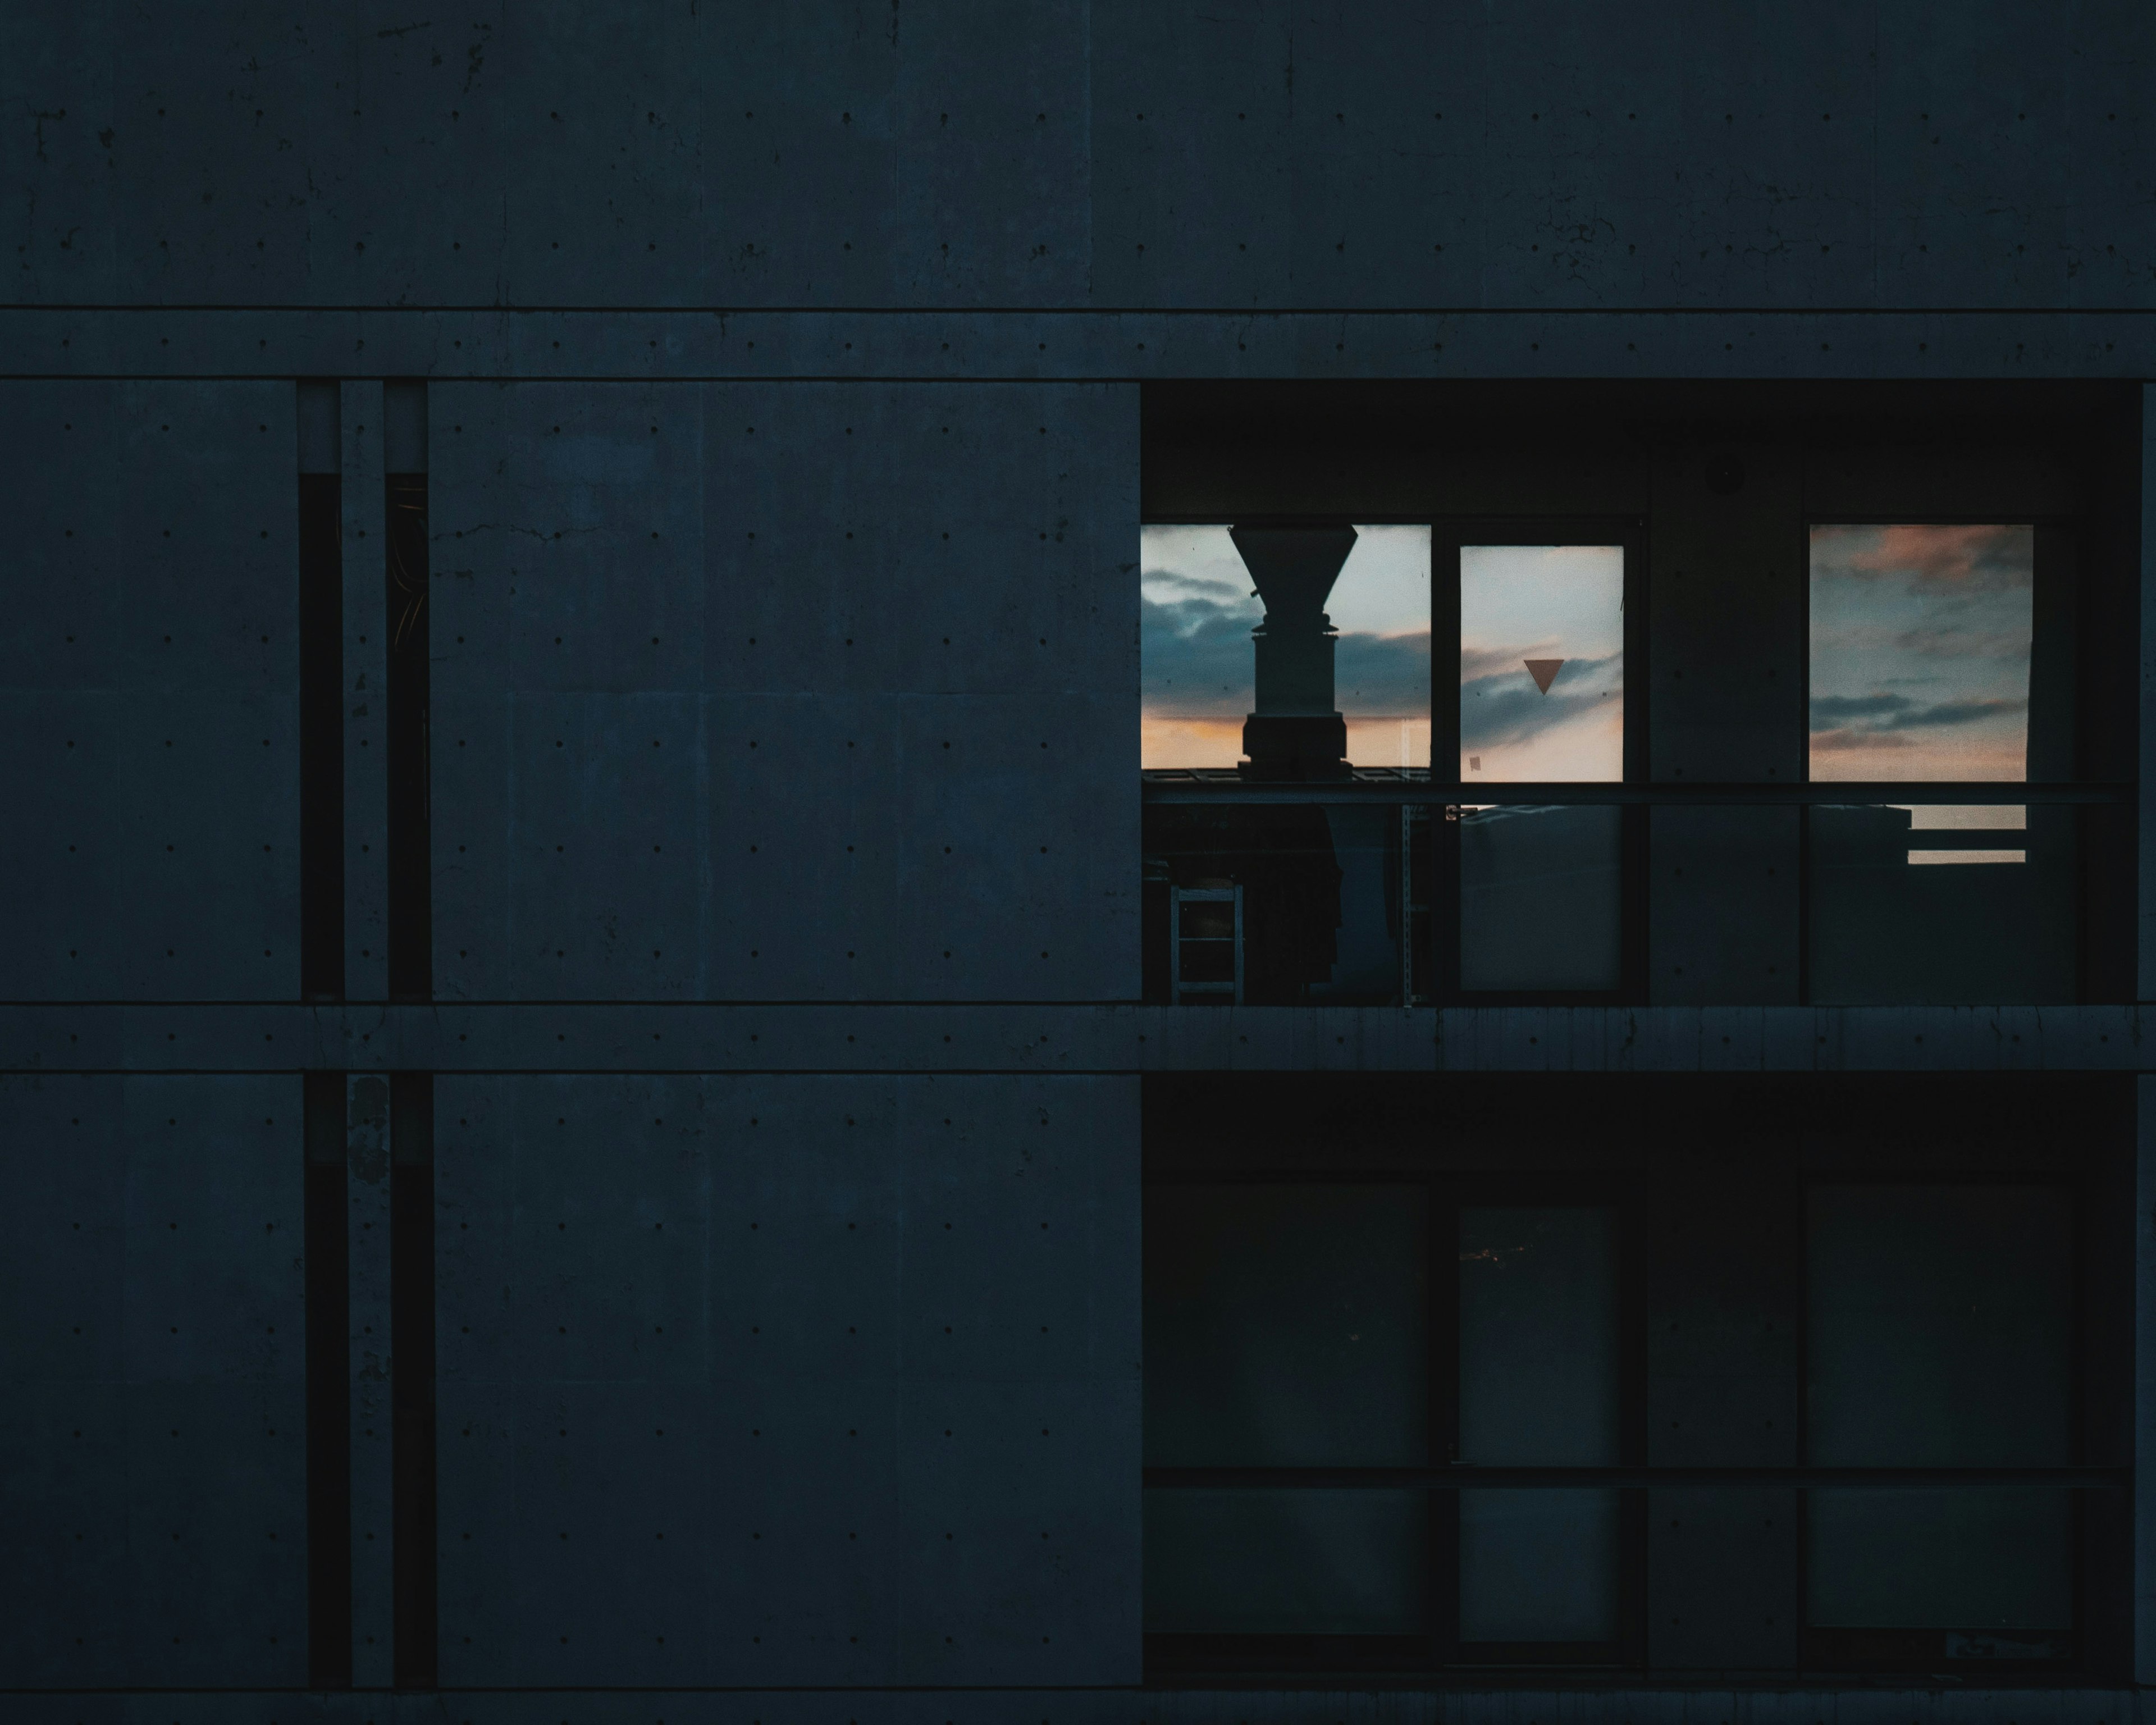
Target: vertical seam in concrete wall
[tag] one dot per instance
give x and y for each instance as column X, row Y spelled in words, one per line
column 407, row 624
column 329, row 1386
column 321, row 696
column 366, row 689
column 414, row 1587
column 373, row 1535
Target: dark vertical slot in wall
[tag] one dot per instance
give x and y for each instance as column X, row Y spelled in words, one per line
column 1632, row 1390
column 321, row 709
column 329, row 1389
column 1441, row 1314
column 412, row 1375
column 411, row 894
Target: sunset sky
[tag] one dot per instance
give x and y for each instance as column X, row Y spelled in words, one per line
column 1920, row 639
column 1197, row 606
column 1541, row 602
column 1920, row 651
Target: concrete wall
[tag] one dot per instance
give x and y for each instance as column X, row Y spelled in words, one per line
column 782, row 371
column 1120, row 154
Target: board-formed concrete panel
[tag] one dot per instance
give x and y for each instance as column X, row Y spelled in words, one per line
column 153, row 1424
column 960, row 153
column 1262, row 155
column 786, row 692
column 150, row 678
column 782, row 1380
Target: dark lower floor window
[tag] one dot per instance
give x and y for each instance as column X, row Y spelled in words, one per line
column 1939, row 1324
column 1733, row 1407
column 1314, row 1349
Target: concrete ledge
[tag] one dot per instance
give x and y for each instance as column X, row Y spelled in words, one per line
column 793, row 1037
column 1612, row 1706
column 630, row 344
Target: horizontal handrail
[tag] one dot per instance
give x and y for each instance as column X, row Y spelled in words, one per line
column 1463, row 1476
column 1173, row 788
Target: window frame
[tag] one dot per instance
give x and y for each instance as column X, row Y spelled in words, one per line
column 2048, row 529
column 1899, row 1650
column 1448, row 536
column 1437, row 1649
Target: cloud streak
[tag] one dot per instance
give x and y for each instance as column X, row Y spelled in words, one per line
column 1198, row 661
column 1501, row 707
column 1936, row 559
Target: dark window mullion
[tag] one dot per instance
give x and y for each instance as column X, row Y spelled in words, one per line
column 1632, row 1601
column 1442, row 1295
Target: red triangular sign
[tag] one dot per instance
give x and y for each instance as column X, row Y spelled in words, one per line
column 1544, row 671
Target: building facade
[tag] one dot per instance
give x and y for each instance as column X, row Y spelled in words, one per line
column 527, row 1068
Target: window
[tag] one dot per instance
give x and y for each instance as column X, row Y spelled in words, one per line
column 1854, row 664
column 1315, row 1350
column 1542, row 698
column 1286, row 654
column 1928, row 665
column 1356, row 598
column 1447, row 1374
column 1939, row 1323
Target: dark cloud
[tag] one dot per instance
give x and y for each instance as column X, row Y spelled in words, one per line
column 1381, row 674
column 1198, row 658
column 1504, row 707
column 1857, row 707
column 1479, row 664
column 1955, row 712
column 1898, row 712
column 1196, row 653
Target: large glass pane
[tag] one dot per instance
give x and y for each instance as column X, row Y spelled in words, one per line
column 1199, row 606
column 1541, row 899
column 1541, row 663
column 1927, row 664
column 1542, row 696
column 1538, row 1387
column 1285, row 1325
column 1940, row 1335
column 1348, row 1563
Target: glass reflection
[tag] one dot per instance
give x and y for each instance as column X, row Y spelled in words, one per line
column 1538, row 1388
column 1542, row 696
column 1541, row 663
column 1927, row 664
column 1197, row 605
column 1939, row 1328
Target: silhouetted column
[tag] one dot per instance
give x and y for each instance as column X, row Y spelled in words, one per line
column 1296, row 732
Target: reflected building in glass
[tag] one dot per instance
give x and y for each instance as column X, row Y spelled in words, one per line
column 1285, row 655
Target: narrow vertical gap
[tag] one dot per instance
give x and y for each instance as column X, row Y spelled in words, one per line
column 1804, row 903
column 321, row 706
column 412, row 1378
column 1802, row 1346
column 1632, row 1225
column 1441, row 1295
column 329, row 1388
column 411, row 894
